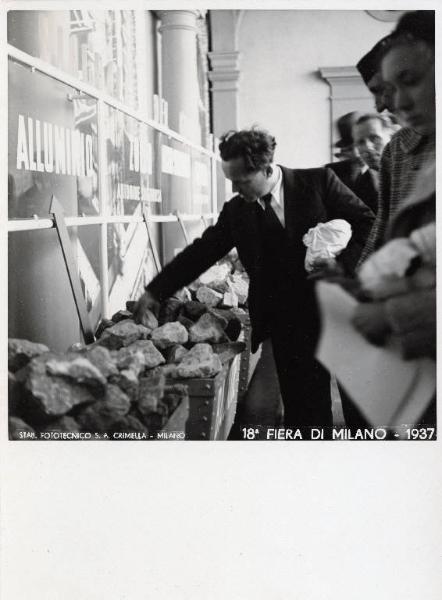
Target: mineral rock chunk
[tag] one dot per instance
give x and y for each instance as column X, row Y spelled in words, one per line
column 50, row 396
column 170, row 371
column 185, row 321
column 127, row 381
column 174, row 395
column 102, row 359
column 104, row 324
column 130, row 424
column 169, row 311
column 176, row 353
column 209, row 297
column 230, row 299
column 232, row 325
column 169, row 334
column 193, row 310
column 156, row 419
column 123, row 334
column 19, row 430
column 200, row 361
column 65, row 424
column 20, row 352
column 215, row 275
column 207, row 329
column 240, row 285
column 121, row 315
column 150, row 392
column 104, row 414
column 130, row 358
column 78, row 368
column 152, row 356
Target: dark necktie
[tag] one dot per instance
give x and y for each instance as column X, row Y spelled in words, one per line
column 272, row 223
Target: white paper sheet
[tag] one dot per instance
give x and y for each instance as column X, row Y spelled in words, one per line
column 387, row 389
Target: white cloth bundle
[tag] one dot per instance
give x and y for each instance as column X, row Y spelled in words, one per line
column 326, row 240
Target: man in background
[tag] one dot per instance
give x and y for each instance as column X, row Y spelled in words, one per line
column 371, row 133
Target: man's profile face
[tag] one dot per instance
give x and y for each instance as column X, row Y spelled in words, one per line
column 370, row 138
column 252, row 185
column 382, row 97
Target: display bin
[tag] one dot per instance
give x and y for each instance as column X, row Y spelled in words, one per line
column 248, row 360
column 212, row 403
column 177, row 420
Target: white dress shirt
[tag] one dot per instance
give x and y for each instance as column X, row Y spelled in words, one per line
column 277, row 192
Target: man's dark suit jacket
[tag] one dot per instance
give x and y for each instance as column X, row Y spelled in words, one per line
column 365, row 185
column 311, row 196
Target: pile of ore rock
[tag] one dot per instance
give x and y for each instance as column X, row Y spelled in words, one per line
column 89, row 389
column 132, row 378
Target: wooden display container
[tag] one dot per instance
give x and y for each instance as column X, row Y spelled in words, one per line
column 212, row 403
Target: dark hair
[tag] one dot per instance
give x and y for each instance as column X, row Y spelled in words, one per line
column 255, row 146
column 417, row 25
column 384, row 119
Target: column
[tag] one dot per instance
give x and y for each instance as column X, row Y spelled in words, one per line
column 180, row 77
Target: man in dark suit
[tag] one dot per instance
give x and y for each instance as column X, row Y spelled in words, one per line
column 266, row 221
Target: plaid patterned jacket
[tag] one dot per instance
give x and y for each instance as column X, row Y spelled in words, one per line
column 401, row 162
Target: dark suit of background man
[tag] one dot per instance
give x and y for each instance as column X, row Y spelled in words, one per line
column 266, row 221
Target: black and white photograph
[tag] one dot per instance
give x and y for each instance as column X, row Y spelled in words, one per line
column 220, row 227
column 207, row 245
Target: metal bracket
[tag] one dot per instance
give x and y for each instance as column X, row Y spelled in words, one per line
column 183, row 227
column 56, row 210
column 153, row 247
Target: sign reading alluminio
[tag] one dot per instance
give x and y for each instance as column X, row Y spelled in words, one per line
column 50, row 148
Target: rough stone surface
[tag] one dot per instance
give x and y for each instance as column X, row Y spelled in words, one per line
column 17, row 426
column 193, row 310
column 240, row 285
column 130, row 424
column 152, row 356
column 208, row 329
column 130, row 358
column 101, row 416
column 21, row 351
column 156, row 419
column 127, row 381
column 150, row 392
column 170, row 371
column 233, row 325
column 185, row 321
column 50, row 396
column 121, row 315
column 169, row 311
column 176, row 353
column 217, row 274
column 100, row 357
column 200, row 361
column 230, row 299
column 209, row 297
column 174, row 395
column 64, row 424
column 102, row 326
column 169, row 334
column 123, row 334
column 77, row 368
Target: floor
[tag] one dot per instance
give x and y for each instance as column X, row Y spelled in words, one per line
column 261, row 407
